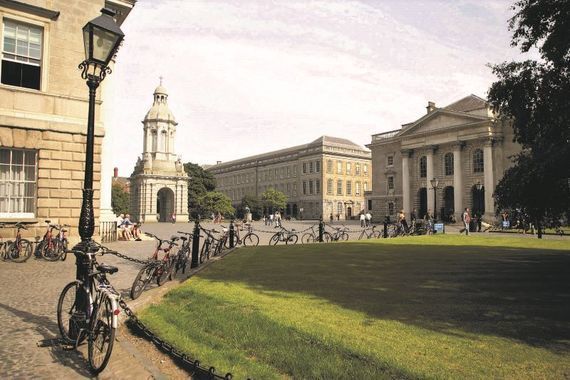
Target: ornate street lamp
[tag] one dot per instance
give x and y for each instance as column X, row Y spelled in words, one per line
column 434, row 182
column 102, row 38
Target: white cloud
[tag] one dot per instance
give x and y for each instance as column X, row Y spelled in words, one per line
column 247, row 77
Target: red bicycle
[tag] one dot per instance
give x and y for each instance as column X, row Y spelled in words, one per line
column 161, row 269
column 53, row 247
column 18, row 250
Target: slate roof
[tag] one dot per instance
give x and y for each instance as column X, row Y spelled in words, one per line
column 468, row 103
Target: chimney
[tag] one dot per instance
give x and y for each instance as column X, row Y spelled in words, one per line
column 430, row 107
column 115, row 172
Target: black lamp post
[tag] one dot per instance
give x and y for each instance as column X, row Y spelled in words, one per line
column 101, row 37
column 434, row 182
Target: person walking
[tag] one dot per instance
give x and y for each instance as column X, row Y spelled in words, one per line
column 368, row 219
column 362, row 220
column 331, row 217
column 466, row 218
column 429, row 222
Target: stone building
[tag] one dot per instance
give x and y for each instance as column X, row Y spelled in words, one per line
column 328, row 175
column 463, row 145
column 43, row 109
column 159, row 184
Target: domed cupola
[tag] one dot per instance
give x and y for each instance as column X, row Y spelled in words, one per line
column 159, row 110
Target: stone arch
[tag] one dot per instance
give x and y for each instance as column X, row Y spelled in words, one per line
column 164, row 204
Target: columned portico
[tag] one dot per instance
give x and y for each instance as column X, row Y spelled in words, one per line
column 489, row 181
column 406, row 181
column 430, row 175
column 457, row 181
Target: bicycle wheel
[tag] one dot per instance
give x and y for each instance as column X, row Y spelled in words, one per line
column 307, row 238
column 344, row 236
column 205, row 252
column 142, row 280
column 51, row 250
column 274, row 239
column 392, row 231
column 327, row 237
column 227, row 242
column 251, row 240
column 64, row 245
column 101, row 336
column 66, row 306
column 375, row 234
column 163, row 272
column 292, row 239
column 20, row 253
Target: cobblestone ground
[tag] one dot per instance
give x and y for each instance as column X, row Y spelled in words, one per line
column 28, row 301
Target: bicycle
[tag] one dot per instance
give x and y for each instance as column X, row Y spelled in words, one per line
column 101, row 312
column 53, row 248
column 18, row 250
column 209, row 241
column 250, row 239
column 284, row 235
column 340, row 234
column 369, row 232
column 159, row 269
column 181, row 259
column 311, row 237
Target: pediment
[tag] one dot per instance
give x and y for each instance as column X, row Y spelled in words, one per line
column 439, row 120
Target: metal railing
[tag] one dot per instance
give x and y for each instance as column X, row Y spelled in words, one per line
column 108, row 231
column 385, row 135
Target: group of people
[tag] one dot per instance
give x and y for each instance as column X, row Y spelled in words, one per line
column 126, row 229
column 273, row 219
column 365, row 219
column 217, row 218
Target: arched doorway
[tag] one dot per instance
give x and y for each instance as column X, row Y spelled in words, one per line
column 288, row 210
column 422, row 194
column 348, row 212
column 478, row 197
column 295, row 211
column 164, row 204
column 448, row 202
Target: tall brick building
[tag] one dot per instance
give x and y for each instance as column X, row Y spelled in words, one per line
column 43, row 109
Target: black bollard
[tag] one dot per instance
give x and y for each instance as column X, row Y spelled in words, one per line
column 321, row 230
column 232, row 234
column 385, row 228
column 196, row 244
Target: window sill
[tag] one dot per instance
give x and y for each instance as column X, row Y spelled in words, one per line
column 16, row 219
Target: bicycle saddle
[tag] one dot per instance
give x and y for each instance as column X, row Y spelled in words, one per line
column 183, row 238
column 104, row 268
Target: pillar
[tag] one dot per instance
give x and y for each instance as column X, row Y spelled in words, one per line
column 489, row 181
column 457, row 182
column 430, row 175
column 406, row 181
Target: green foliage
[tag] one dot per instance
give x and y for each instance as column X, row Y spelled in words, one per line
column 200, row 183
column 533, row 95
column 255, row 207
column 274, row 199
column 120, row 199
column 323, row 319
column 214, row 202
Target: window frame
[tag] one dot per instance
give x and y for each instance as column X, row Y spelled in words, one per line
column 9, row 184
column 44, row 46
column 339, row 187
column 422, row 167
column 478, row 161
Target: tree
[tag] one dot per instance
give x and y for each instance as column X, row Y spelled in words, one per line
column 273, row 199
column 255, row 207
column 200, row 183
column 120, row 199
column 214, row 202
column 533, row 96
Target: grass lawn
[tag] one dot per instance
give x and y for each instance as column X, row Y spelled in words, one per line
column 419, row 307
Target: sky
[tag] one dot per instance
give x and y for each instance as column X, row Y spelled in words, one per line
column 248, row 77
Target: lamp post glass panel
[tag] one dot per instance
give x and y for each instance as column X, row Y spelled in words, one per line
column 434, row 182
column 102, row 37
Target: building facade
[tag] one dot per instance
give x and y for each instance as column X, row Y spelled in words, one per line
column 43, row 110
column 327, row 176
column 464, row 146
column 159, row 184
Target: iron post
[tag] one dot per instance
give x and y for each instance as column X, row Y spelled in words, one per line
column 196, row 244
column 321, row 229
column 232, row 233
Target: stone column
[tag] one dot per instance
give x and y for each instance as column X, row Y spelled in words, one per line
column 457, row 182
column 406, row 181
column 489, row 181
column 430, row 175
